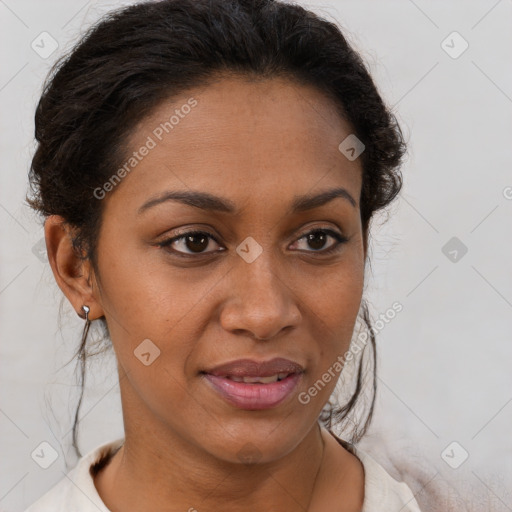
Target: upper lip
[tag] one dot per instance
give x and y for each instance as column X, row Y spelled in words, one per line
column 252, row 368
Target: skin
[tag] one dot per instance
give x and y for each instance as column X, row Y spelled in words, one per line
column 258, row 144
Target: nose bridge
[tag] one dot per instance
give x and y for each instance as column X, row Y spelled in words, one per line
column 258, row 273
column 262, row 302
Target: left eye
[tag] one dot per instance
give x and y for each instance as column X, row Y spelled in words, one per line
column 197, row 241
column 319, row 236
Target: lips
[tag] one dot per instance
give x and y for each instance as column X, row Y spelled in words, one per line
column 253, row 385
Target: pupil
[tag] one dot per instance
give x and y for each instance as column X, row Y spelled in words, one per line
column 317, row 235
column 196, row 247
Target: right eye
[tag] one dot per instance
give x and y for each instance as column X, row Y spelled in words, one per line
column 195, row 241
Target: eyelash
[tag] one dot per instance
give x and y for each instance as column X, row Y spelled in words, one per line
column 336, row 247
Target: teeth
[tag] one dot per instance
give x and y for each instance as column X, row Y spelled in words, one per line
column 262, row 380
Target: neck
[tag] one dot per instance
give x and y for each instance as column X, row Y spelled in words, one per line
column 157, row 469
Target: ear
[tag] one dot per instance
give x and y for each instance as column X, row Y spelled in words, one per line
column 74, row 276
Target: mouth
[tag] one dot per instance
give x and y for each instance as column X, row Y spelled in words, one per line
column 253, row 385
column 254, row 393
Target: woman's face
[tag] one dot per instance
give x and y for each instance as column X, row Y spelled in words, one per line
column 257, row 283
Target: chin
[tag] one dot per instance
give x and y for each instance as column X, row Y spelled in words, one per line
column 249, row 445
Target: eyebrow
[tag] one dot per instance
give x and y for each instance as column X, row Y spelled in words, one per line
column 209, row 202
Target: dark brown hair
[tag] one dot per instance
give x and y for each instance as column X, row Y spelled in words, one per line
column 138, row 56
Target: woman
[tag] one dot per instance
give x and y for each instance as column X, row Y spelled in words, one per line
column 208, row 171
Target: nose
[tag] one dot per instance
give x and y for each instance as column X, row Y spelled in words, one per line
column 262, row 301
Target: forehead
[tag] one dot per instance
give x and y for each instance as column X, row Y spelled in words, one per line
column 242, row 138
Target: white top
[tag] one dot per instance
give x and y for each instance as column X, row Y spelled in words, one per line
column 76, row 492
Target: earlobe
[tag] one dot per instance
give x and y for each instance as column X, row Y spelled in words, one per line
column 73, row 275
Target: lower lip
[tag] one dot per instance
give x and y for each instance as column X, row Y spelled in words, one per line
column 254, row 396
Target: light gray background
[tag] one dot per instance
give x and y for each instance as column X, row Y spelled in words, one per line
column 445, row 360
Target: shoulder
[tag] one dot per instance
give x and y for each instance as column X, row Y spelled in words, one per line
column 379, row 491
column 382, row 491
column 76, row 491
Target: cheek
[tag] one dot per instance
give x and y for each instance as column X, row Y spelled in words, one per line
column 334, row 307
column 148, row 310
column 340, row 304
column 144, row 293
column 334, row 314
column 336, row 297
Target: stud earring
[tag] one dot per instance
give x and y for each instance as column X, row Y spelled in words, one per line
column 85, row 315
